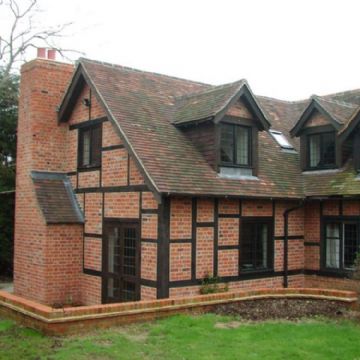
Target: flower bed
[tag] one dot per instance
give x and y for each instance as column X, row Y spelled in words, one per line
column 76, row 319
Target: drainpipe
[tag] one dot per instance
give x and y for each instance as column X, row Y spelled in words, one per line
column 286, row 238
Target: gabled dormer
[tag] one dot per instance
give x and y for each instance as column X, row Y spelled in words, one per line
column 319, row 127
column 223, row 123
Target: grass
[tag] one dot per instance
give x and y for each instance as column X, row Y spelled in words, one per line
column 184, row 337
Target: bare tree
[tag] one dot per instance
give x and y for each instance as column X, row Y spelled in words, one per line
column 25, row 33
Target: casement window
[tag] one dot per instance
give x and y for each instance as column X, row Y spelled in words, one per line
column 235, row 145
column 321, row 151
column 342, row 243
column 256, row 249
column 89, row 154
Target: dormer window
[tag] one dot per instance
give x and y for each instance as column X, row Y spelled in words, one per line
column 321, row 151
column 235, row 145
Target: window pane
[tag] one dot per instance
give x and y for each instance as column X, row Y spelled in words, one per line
column 262, row 238
column 315, row 155
column 333, row 245
column 96, row 146
column 129, row 291
column 227, row 143
column 254, row 245
column 114, row 251
column 242, row 145
column 86, row 137
column 129, row 267
column 328, row 149
column 247, row 246
column 350, row 244
column 281, row 139
column 113, row 288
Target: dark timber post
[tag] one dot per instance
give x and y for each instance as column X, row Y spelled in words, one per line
column 163, row 249
column 286, row 240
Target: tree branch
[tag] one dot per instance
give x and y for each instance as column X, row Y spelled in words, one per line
column 23, row 34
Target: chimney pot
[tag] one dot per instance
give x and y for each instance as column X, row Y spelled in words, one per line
column 41, row 53
column 51, row 54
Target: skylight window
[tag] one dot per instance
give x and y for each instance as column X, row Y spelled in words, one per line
column 281, row 139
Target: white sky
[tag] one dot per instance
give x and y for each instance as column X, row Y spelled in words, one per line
column 285, row 49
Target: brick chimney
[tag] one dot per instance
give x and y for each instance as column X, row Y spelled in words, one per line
column 41, row 146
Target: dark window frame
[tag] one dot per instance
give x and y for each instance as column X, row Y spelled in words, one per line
column 249, row 129
column 341, row 220
column 308, row 153
column 269, row 221
column 92, row 162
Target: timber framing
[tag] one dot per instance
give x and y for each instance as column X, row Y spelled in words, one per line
column 78, row 81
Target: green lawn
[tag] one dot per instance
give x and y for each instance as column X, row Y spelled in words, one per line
column 184, row 337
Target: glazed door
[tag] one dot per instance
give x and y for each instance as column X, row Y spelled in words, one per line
column 121, row 262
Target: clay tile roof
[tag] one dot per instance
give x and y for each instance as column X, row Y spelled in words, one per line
column 205, row 104
column 56, row 198
column 340, row 111
column 143, row 106
column 338, row 182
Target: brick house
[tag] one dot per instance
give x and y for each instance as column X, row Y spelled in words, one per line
column 133, row 185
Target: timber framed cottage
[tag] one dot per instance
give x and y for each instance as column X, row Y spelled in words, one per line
column 135, row 186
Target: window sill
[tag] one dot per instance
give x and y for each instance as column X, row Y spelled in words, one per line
column 256, row 271
column 240, row 177
column 88, row 168
column 236, row 173
column 340, row 273
column 321, row 171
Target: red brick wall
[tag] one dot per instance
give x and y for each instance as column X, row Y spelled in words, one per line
column 92, row 253
column 274, row 282
column 38, row 265
column 228, row 231
column 49, row 260
column 114, row 167
column 63, row 264
column 180, row 262
column 149, row 261
column 326, row 282
column 204, row 252
column 230, row 215
column 117, row 170
column 180, row 218
column 43, row 252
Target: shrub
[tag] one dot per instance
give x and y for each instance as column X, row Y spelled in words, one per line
column 210, row 285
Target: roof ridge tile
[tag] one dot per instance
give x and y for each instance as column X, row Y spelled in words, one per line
column 336, row 102
column 128, row 68
column 209, row 90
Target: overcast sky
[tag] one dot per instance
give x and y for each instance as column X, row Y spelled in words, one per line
column 285, row 49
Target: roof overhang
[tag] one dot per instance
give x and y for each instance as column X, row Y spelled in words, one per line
column 71, row 95
column 245, row 94
column 79, row 79
column 308, row 112
column 351, row 127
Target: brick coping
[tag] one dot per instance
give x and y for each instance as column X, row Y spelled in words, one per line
column 49, row 315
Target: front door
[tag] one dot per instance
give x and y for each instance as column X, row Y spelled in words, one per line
column 121, row 262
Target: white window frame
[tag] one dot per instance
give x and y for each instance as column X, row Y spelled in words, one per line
column 281, row 139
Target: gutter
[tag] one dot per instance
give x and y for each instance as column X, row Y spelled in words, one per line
column 286, row 239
